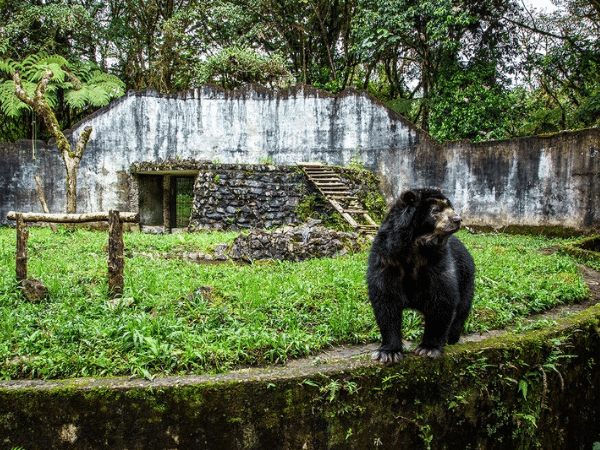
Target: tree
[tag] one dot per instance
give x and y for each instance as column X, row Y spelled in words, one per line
column 563, row 56
column 422, row 46
column 315, row 35
column 469, row 103
column 38, row 83
column 59, row 27
column 235, row 66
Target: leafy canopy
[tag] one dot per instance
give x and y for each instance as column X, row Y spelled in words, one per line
column 76, row 83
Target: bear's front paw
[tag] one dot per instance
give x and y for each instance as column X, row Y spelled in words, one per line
column 433, row 353
column 387, row 357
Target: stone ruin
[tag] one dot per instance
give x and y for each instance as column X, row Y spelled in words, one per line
column 310, row 240
column 307, row 241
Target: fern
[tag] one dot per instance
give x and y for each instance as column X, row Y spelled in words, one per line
column 10, row 105
column 8, row 66
column 77, row 98
column 81, row 82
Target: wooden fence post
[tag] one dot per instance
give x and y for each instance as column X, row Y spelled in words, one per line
column 116, row 261
column 22, row 238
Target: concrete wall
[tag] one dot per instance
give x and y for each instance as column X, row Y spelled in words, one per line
column 529, row 181
column 532, row 181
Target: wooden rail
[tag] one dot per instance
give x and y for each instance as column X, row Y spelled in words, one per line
column 74, row 218
column 115, row 219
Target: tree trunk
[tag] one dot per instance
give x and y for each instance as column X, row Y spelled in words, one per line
column 72, row 165
column 70, row 157
column 42, row 198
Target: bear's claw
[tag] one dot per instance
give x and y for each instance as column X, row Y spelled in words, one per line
column 433, row 353
column 387, row 357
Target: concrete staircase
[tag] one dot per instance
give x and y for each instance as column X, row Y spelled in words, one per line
column 338, row 195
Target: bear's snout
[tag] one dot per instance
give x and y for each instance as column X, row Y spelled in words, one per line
column 451, row 222
column 455, row 221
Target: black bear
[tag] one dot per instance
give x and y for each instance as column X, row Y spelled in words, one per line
column 417, row 263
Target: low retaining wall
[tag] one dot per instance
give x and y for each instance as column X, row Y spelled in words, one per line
column 247, row 196
column 537, row 390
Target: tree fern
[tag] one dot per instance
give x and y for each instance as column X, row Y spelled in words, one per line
column 81, row 83
column 10, row 105
column 34, row 67
column 8, row 66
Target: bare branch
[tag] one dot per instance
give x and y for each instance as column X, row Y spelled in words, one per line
column 82, row 142
column 19, row 91
column 547, row 33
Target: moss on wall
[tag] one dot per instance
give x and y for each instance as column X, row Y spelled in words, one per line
column 537, row 390
column 588, row 249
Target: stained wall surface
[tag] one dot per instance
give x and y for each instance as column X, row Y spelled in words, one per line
column 528, row 181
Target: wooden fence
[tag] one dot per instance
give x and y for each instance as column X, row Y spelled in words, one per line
column 115, row 219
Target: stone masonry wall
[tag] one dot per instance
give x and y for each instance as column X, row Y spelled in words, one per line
column 238, row 196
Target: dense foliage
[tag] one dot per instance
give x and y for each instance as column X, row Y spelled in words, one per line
column 460, row 69
column 179, row 317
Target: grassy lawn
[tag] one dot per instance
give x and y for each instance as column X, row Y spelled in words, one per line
column 180, row 317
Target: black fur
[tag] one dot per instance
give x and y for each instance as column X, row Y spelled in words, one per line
column 415, row 262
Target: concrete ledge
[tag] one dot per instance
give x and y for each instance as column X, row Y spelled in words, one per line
column 537, row 390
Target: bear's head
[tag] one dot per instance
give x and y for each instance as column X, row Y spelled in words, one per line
column 433, row 216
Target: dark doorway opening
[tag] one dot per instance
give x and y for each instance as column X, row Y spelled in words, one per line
column 166, row 199
column 151, row 199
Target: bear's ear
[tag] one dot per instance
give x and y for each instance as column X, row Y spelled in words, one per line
column 409, row 197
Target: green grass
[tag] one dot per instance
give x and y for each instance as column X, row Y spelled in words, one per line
column 181, row 317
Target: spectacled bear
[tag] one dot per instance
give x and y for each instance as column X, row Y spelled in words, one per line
column 416, row 262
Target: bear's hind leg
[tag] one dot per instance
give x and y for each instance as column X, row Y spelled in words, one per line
column 434, row 337
column 456, row 329
column 462, row 314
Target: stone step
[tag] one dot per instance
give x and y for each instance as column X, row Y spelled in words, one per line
column 320, row 173
column 332, row 186
column 342, row 197
column 335, row 191
column 325, row 178
column 336, row 194
column 328, row 183
column 356, row 211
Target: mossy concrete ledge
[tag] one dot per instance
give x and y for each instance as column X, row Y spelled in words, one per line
column 519, row 391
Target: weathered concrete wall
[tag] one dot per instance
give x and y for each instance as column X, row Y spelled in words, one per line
column 528, row 181
column 544, row 181
column 246, row 126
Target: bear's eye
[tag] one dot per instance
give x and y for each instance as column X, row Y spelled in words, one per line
column 436, row 210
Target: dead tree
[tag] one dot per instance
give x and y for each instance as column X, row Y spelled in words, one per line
column 71, row 157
